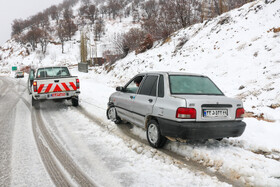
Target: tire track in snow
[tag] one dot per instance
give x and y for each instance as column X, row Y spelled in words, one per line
column 273, row 154
column 61, row 155
column 51, row 166
column 47, row 158
column 232, row 176
column 54, row 156
column 8, row 99
column 177, row 159
column 7, row 121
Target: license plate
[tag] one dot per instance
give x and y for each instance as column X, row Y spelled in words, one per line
column 215, row 113
column 58, row 95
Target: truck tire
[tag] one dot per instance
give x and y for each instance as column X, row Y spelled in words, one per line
column 75, row 101
column 35, row 103
column 154, row 136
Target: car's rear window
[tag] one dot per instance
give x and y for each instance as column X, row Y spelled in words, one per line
column 197, row 85
column 52, row 72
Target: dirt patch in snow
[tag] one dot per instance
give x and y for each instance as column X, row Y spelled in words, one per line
column 258, row 117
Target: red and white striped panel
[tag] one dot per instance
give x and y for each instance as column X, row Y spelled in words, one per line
column 57, row 87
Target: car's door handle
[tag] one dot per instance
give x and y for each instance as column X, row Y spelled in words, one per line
column 56, row 80
column 150, row 100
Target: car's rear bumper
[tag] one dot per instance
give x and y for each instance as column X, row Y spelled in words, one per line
column 201, row 130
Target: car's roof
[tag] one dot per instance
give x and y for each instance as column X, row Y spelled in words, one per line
column 171, row 73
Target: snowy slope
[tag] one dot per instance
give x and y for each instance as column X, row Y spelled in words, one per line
column 237, row 50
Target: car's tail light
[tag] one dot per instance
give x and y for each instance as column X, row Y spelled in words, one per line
column 35, row 86
column 186, row 113
column 77, row 83
column 240, row 113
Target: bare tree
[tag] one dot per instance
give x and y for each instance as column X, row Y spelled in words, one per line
column 68, row 14
column 113, row 8
column 99, row 28
column 61, row 33
column 54, row 13
column 17, row 26
column 44, row 40
column 33, row 36
column 150, row 8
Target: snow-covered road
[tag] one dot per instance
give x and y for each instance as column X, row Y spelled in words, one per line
column 58, row 144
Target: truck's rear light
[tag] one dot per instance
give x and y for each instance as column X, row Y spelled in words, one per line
column 77, row 83
column 240, row 113
column 186, row 113
column 35, row 86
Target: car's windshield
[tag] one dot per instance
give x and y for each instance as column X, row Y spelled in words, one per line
column 197, row 85
column 52, row 72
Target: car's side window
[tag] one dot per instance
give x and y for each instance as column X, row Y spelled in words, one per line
column 133, row 86
column 161, row 86
column 149, row 86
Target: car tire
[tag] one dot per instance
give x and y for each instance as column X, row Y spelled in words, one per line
column 154, row 136
column 75, row 101
column 112, row 115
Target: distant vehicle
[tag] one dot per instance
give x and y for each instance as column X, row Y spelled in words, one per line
column 53, row 83
column 19, row 74
column 177, row 106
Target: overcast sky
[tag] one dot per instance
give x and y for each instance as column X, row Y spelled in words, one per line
column 15, row 9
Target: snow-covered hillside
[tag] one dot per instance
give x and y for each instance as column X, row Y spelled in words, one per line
column 239, row 50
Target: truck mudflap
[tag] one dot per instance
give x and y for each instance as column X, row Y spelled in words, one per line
column 201, row 130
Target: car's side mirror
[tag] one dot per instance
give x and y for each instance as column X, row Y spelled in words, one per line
column 120, row 89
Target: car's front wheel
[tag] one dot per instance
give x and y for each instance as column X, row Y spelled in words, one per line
column 154, row 136
column 112, row 115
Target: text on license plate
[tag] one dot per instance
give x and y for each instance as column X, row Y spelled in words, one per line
column 57, row 94
column 215, row 113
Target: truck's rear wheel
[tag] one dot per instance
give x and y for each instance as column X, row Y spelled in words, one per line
column 75, row 101
column 154, row 136
column 35, row 103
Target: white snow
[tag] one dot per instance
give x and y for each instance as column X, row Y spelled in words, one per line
column 235, row 49
column 237, row 158
column 27, row 167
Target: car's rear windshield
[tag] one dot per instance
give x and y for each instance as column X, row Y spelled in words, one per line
column 52, row 72
column 196, row 85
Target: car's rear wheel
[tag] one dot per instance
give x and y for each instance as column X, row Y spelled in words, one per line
column 154, row 136
column 75, row 101
column 113, row 116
